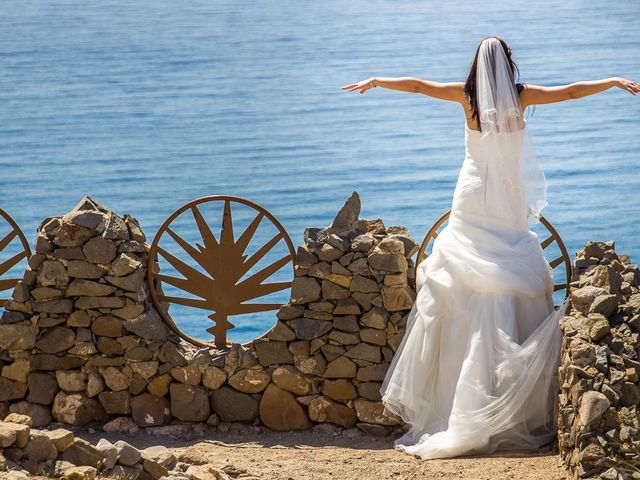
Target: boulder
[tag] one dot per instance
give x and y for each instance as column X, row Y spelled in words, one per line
column 71, row 380
column 279, row 410
column 161, row 455
column 346, row 219
column 270, row 352
column 234, row 406
column 10, row 390
column 289, row 378
column 80, row 473
column 149, row 325
column 189, row 375
column 20, row 430
column 148, row 410
column 52, row 274
column 128, row 455
column 118, row 403
column 131, row 283
column 61, row 438
column 372, row 412
column 115, row 379
column 107, row 326
column 14, row 337
column 40, row 448
column 70, row 235
column 77, row 409
column 592, row 406
column 18, row 370
column 89, row 288
column 250, row 380
column 99, row 250
column 213, row 377
column 55, row 340
column 189, row 403
column 39, row 414
column 323, row 409
column 304, row 290
column 109, row 453
column 82, row 453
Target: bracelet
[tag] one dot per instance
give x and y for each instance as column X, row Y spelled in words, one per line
column 373, row 82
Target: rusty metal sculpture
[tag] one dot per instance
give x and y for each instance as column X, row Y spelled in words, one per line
column 15, row 234
column 221, row 290
column 553, row 237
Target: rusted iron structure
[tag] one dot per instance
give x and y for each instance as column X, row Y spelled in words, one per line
column 554, row 236
column 15, row 234
column 222, row 291
column 213, row 279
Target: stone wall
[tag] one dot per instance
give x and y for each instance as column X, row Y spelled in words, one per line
column 598, row 421
column 81, row 341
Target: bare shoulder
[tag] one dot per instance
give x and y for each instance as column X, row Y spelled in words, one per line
column 457, row 89
column 451, row 91
column 532, row 94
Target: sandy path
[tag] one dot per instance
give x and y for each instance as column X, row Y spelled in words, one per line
column 314, row 455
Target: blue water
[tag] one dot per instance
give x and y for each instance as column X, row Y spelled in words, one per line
column 146, row 105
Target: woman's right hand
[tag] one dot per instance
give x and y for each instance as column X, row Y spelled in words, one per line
column 628, row 85
column 364, row 85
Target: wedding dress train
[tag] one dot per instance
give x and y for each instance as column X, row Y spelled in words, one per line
column 476, row 370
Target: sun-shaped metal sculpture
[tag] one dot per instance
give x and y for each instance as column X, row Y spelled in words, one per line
column 12, row 240
column 553, row 237
column 216, row 282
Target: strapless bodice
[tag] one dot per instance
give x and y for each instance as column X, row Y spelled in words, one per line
column 489, row 187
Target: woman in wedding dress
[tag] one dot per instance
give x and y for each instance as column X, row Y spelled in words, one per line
column 476, row 370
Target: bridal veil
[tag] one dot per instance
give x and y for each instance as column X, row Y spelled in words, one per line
column 503, row 128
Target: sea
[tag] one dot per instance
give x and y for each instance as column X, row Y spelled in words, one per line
column 148, row 105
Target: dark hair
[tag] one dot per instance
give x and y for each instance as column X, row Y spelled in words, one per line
column 470, row 85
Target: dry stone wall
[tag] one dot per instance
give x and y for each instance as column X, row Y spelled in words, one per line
column 598, row 421
column 81, row 342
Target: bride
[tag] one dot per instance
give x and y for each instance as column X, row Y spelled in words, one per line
column 476, row 370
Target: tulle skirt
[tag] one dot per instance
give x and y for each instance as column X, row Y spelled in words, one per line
column 476, row 370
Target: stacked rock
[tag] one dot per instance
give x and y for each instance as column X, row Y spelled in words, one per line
column 81, row 340
column 598, row 421
column 347, row 315
column 25, row 451
column 79, row 336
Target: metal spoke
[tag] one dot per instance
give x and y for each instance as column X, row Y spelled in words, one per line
column 554, row 263
column 564, row 258
column 545, row 243
column 6, row 240
column 8, row 283
column 248, row 233
column 225, row 262
column 205, row 232
column 185, row 269
column 14, row 236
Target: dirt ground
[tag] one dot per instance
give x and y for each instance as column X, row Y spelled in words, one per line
column 351, row 455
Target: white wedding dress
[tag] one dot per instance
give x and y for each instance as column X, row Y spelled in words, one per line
column 476, row 370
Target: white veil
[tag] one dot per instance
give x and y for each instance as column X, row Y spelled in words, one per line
column 502, row 124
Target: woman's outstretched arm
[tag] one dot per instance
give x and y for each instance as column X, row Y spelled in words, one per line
column 453, row 91
column 535, row 94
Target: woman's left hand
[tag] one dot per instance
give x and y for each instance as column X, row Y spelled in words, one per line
column 364, row 85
